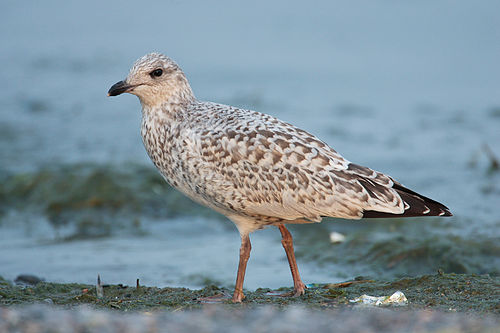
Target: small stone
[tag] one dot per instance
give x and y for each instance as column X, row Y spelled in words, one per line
column 27, row 279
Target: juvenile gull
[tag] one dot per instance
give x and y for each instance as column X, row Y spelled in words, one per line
column 253, row 168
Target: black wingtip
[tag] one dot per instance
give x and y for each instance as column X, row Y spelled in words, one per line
column 417, row 205
column 447, row 212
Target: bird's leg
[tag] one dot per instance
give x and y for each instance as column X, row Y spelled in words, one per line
column 244, row 255
column 287, row 241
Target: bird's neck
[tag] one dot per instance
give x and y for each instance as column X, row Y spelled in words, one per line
column 171, row 111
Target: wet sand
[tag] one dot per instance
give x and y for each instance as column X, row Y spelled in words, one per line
column 436, row 303
column 263, row 319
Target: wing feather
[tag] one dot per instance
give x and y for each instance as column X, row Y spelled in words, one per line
column 271, row 168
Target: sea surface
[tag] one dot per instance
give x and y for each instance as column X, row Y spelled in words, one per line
column 411, row 89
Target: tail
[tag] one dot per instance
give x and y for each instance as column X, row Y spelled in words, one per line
column 415, row 205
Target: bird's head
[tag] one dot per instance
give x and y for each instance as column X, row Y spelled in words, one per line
column 155, row 79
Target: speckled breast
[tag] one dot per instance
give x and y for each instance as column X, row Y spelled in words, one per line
column 169, row 145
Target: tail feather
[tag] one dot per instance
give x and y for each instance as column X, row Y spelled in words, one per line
column 415, row 205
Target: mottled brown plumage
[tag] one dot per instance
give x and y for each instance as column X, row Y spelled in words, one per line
column 253, row 168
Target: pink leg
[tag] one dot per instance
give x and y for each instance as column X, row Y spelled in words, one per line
column 287, row 241
column 244, row 255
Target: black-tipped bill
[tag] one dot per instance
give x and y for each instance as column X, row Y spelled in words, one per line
column 118, row 88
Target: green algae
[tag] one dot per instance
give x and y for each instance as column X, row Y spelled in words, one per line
column 94, row 188
column 392, row 248
column 92, row 197
column 444, row 292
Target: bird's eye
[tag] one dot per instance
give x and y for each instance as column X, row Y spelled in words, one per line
column 156, row 73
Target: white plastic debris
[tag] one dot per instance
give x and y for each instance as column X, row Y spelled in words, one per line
column 336, row 237
column 398, row 298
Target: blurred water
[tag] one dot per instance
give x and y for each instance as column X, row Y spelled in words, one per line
column 411, row 89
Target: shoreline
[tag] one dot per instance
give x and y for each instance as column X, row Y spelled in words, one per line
column 441, row 292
